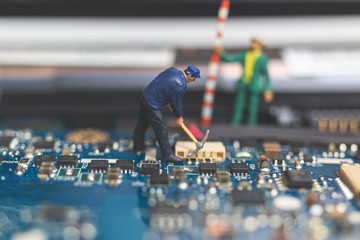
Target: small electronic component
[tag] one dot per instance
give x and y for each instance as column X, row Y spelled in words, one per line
column 311, row 199
column 24, row 161
column 298, row 179
column 149, row 169
column 47, row 170
column 223, row 177
column 264, row 163
column 249, row 144
column 105, row 146
column 287, row 203
column 247, row 197
column 69, row 172
column 90, row 177
column 238, row 168
column 207, row 168
column 349, row 174
column 178, row 172
column 67, row 161
column 245, row 155
column 159, row 179
column 44, row 145
column 87, row 136
column 169, row 209
column 278, row 160
column 113, row 176
column 272, row 149
column 214, row 151
column 102, row 147
column 178, row 215
column 126, row 166
column 5, row 141
column 307, row 157
column 295, row 150
column 22, row 166
column 29, row 152
column 44, row 158
column 99, row 165
column 50, row 213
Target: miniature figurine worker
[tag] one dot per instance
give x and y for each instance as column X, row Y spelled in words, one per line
column 167, row 88
column 249, row 86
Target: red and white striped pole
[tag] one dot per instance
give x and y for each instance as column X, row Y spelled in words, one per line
column 213, row 68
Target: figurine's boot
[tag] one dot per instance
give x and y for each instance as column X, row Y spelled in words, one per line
column 172, row 159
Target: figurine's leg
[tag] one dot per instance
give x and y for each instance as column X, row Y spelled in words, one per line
column 158, row 124
column 239, row 107
column 253, row 108
column 142, row 125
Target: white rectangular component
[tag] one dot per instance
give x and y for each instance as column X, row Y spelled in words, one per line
column 213, row 151
column 349, row 174
column 335, row 160
column 150, row 154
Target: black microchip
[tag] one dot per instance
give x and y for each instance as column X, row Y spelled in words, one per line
column 248, row 144
column 102, row 148
column 67, row 160
column 24, row 160
column 44, row 158
column 163, row 209
column 207, row 168
column 247, row 197
column 298, row 179
column 238, row 168
column 5, row 141
column 308, row 157
column 295, row 150
column 41, row 144
column 357, row 156
column 99, row 165
column 125, row 165
column 159, row 179
column 149, row 169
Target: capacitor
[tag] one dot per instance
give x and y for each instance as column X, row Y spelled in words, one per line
column 264, row 162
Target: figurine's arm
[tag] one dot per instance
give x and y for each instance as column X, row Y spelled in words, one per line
column 268, row 93
column 239, row 57
column 179, row 120
column 176, row 103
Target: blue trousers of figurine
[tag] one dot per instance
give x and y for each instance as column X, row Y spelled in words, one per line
column 149, row 116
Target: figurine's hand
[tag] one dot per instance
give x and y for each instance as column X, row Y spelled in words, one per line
column 218, row 50
column 179, row 120
column 268, row 96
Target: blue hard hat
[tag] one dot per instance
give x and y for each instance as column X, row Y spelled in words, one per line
column 194, row 71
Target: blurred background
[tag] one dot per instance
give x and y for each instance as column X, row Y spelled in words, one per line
column 83, row 63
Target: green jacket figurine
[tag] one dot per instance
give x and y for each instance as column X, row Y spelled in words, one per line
column 250, row 86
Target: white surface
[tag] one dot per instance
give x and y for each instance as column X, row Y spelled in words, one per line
column 169, row 32
column 77, row 58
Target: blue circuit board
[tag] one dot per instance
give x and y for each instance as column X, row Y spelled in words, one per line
column 259, row 191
